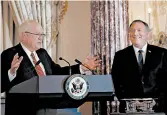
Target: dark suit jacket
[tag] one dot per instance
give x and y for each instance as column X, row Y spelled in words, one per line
column 25, row 70
column 131, row 82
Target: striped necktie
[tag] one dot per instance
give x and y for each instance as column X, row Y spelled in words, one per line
column 37, row 67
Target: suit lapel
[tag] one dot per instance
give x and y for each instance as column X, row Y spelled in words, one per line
column 134, row 62
column 26, row 60
column 133, row 57
column 148, row 56
column 44, row 61
column 26, row 63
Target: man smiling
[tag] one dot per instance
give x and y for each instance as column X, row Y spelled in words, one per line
column 140, row 70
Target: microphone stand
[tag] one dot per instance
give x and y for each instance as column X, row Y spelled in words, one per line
column 70, row 72
column 79, row 62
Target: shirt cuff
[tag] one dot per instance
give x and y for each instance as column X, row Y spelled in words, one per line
column 11, row 77
column 84, row 72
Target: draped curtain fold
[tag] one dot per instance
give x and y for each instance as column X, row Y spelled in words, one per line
column 7, row 26
column 109, row 30
column 1, row 27
column 159, row 23
column 41, row 11
column 109, row 33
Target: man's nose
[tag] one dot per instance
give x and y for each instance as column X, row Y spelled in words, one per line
column 40, row 37
column 136, row 32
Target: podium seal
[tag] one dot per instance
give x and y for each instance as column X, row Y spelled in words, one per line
column 77, row 86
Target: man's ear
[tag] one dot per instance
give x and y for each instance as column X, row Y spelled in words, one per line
column 22, row 36
column 129, row 35
column 150, row 34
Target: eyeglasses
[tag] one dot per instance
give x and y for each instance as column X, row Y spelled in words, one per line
column 42, row 35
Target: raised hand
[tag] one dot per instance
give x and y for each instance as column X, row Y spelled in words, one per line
column 15, row 63
column 92, row 62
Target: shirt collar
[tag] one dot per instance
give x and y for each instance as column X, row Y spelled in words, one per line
column 28, row 52
column 137, row 49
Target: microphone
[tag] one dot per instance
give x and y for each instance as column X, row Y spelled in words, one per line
column 60, row 58
column 79, row 62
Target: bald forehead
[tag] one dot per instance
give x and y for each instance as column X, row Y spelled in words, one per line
column 33, row 24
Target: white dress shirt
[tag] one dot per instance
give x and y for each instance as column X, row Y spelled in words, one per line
column 11, row 77
column 144, row 49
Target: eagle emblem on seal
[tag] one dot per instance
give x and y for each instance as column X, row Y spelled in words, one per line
column 77, row 86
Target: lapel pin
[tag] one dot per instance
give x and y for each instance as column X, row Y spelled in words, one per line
column 149, row 51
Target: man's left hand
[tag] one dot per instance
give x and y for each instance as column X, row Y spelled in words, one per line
column 91, row 62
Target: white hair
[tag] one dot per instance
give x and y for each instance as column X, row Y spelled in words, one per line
column 26, row 26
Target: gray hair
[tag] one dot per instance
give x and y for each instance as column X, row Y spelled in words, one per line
column 25, row 26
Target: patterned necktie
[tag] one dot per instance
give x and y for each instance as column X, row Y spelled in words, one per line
column 140, row 59
column 37, row 67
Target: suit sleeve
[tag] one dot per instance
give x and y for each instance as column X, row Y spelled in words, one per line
column 161, row 78
column 116, row 69
column 165, row 95
column 58, row 70
column 165, row 81
column 5, row 66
